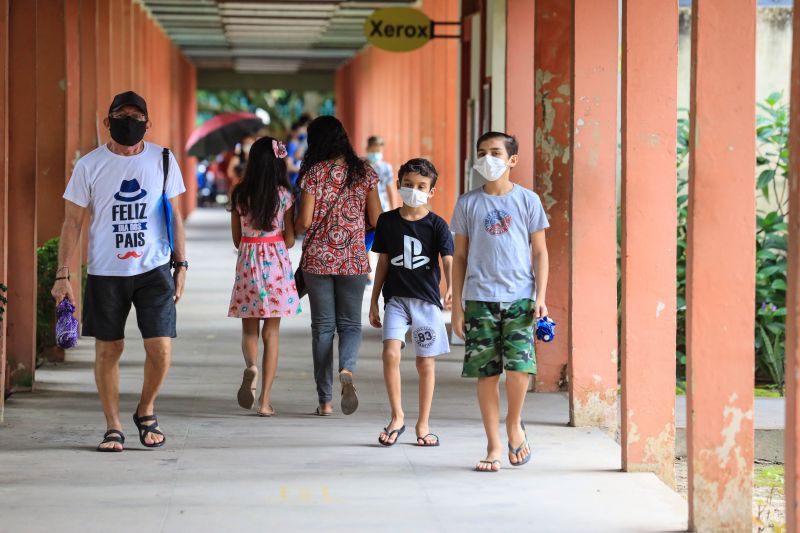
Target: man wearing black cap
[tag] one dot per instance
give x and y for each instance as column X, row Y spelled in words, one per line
column 133, row 247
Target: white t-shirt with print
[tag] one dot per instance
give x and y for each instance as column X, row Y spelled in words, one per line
column 127, row 232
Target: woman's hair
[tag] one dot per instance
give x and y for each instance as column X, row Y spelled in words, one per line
column 327, row 140
column 257, row 195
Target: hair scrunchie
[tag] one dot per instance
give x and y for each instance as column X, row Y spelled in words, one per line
column 279, row 149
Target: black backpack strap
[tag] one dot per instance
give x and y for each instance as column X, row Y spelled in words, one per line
column 165, row 166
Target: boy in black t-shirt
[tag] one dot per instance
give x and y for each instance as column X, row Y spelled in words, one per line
column 410, row 240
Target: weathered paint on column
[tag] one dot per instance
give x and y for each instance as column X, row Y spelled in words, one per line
column 3, row 187
column 593, row 216
column 649, row 214
column 720, row 281
column 21, row 316
column 552, row 126
column 520, row 85
column 792, row 432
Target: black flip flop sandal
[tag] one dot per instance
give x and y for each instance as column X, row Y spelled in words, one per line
column 144, row 430
column 389, row 434
column 488, row 462
column 421, row 440
column 112, row 435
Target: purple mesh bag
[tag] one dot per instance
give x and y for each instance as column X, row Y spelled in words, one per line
column 66, row 325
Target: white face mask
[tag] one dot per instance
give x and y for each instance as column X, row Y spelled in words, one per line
column 413, row 197
column 490, row 167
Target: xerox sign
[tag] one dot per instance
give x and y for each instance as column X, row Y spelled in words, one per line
column 398, row 29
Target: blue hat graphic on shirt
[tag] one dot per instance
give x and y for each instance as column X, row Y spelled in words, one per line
column 130, row 191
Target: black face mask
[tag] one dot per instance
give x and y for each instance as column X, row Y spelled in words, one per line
column 127, row 131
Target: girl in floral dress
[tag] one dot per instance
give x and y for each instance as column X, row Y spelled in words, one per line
column 262, row 225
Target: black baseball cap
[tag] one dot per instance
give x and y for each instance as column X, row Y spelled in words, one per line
column 128, row 98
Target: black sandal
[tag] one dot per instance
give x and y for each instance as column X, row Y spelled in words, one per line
column 144, row 429
column 399, row 431
column 111, row 436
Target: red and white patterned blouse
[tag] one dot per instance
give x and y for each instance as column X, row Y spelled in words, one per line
column 334, row 244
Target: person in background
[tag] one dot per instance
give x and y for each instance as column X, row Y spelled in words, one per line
column 387, row 192
column 239, row 160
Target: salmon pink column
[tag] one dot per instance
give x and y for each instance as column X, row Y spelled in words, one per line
column 593, row 219
column 520, row 85
column 649, row 108
column 21, row 316
column 3, row 187
column 720, row 281
column 791, row 447
column 552, row 127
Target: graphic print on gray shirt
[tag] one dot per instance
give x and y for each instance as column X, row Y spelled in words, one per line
column 499, row 265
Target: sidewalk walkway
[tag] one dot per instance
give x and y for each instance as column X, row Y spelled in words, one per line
column 226, row 470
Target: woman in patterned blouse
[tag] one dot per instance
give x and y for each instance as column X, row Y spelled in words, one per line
column 338, row 189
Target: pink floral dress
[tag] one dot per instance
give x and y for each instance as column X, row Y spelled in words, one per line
column 264, row 286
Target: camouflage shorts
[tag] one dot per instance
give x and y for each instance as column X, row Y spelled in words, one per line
column 498, row 336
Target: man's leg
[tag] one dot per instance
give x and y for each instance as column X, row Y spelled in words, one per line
column 106, row 375
column 391, row 376
column 156, row 366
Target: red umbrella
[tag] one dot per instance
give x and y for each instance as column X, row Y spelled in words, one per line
column 221, row 133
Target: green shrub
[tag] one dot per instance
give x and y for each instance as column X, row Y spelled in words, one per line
column 47, row 264
column 772, row 161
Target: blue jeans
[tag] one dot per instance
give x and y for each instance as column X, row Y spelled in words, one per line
column 335, row 308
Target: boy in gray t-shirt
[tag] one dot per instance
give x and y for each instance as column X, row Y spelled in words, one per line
column 499, row 246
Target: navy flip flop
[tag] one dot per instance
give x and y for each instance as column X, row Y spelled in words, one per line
column 421, row 440
column 389, row 434
column 515, row 451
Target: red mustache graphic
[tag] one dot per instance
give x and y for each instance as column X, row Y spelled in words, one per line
column 129, row 255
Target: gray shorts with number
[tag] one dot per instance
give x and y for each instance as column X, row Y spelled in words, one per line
column 428, row 331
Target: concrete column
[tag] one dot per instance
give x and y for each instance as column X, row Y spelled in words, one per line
column 21, row 315
column 791, row 447
column 88, row 122
column 51, row 112
column 88, row 140
column 593, row 221
column 552, row 123
column 72, row 82
column 103, row 69
column 649, row 108
column 4, row 27
column 720, row 282
column 520, row 85
column 117, row 35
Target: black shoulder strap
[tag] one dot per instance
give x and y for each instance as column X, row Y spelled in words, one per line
column 165, row 166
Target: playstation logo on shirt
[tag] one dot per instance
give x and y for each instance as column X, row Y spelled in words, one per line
column 411, row 258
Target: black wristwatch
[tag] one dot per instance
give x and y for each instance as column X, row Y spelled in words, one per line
column 184, row 264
